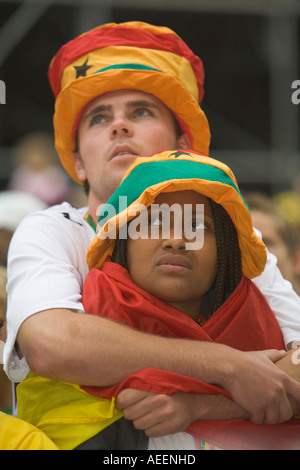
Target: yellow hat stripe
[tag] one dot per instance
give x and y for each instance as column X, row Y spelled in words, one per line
column 167, row 62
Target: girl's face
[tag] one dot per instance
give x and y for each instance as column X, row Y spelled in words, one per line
column 165, row 268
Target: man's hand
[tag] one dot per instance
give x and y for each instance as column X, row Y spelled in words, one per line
column 262, row 389
column 159, row 415
column 156, row 414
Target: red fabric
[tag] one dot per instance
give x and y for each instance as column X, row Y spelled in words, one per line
column 244, row 322
column 134, row 37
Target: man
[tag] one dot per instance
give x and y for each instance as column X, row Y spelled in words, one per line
column 118, row 89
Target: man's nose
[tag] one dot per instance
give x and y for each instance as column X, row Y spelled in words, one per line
column 121, row 126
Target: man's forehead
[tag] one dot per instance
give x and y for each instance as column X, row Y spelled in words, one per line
column 122, row 96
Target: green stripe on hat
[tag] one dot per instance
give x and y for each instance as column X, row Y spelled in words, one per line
column 128, row 67
column 158, row 171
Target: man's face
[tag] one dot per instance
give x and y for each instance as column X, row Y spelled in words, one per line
column 114, row 129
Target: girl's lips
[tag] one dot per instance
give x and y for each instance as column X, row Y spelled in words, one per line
column 172, row 268
column 174, row 262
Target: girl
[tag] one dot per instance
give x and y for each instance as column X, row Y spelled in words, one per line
column 165, row 285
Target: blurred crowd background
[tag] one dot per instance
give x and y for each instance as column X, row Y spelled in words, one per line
column 250, row 51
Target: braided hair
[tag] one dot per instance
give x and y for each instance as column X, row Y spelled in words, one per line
column 229, row 266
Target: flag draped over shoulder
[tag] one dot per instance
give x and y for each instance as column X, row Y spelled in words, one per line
column 244, row 322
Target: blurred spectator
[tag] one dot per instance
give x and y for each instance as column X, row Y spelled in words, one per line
column 288, row 202
column 5, row 383
column 37, row 169
column 279, row 235
column 14, row 206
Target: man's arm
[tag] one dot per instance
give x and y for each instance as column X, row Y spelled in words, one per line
column 159, row 415
column 90, row 350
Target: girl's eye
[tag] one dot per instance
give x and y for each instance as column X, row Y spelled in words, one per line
column 198, row 225
column 154, row 220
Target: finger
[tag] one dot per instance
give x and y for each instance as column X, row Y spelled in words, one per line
column 160, row 428
column 284, row 413
column 258, row 417
column 147, row 421
column 274, row 355
column 128, row 397
column 281, row 412
column 137, row 410
column 295, row 406
column 148, row 411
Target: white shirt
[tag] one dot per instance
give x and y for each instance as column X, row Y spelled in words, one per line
column 47, row 268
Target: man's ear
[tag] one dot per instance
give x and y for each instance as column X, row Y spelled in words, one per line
column 79, row 167
column 184, row 142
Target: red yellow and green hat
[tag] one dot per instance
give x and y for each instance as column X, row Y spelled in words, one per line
column 171, row 171
column 128, row 56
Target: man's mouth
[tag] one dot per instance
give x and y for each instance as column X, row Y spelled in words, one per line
column 123, row 151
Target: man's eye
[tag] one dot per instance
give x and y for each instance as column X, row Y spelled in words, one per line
column 142, row 112
column 97, row 120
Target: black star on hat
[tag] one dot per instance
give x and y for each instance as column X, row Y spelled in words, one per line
column 82, row 69
column 178, row 153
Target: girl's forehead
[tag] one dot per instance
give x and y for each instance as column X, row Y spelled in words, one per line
column 182, row 197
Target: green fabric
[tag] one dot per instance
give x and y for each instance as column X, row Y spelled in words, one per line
column 148, row 174
column 127, row 66
column 91, row 222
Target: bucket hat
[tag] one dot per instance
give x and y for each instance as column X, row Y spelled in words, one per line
column 177, row 171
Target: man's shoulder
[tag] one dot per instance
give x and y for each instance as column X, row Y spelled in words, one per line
column 53, row 230
column 59, row 213
column 59, row 221
column 66, row 212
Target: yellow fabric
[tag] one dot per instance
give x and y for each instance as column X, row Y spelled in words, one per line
column 168, row 62
column 16, row 434
column 67, row 414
